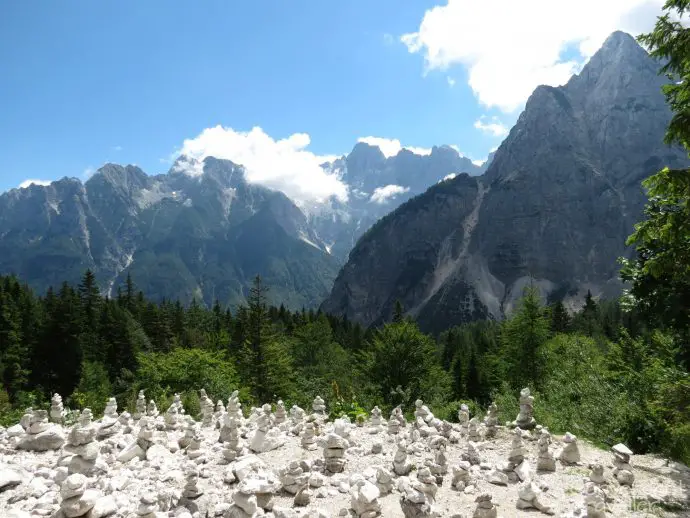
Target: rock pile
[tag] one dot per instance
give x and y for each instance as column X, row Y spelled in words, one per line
column 57, row 410
column 334, row 453
column 525, row 420
column 570, row 453
column 622, row 470
column 40, row 435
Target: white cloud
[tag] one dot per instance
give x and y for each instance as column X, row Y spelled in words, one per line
column 284, row 165
column 448, row 177
column 509, row 47
column 451, row 81
column 493, row 149
column 479, row 163
column 493, row 126
column 27, row 183
column 391, row 147
column 383, row 194
column 117, row 148
column 88, row 172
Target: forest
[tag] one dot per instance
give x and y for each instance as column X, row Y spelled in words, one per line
column 601, row 373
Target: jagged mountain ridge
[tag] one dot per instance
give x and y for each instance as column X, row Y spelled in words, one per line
column 554, row 207
column 202, row 235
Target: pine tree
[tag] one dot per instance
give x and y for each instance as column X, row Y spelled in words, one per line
column 523, row 337
column 14, row 356
column 590, row 314
column 398, row 312
column 474, row 388
column 560, row 320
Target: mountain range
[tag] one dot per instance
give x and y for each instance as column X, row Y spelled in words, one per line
column 553, row 209
column 206, row 236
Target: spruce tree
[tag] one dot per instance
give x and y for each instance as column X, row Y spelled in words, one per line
column 560, row 320
column 14, row 356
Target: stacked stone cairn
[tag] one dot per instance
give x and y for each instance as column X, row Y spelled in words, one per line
column 375, row 422
column 594, row 500
column 309, row 437
column 40, row 435
column 319, row 406
column 207, row 409
column 140, row 408
column 384, row 480
column 234, row 408
column 265, row 437
column 281, row 414
column 485, row 507
column 545, row 459
column 57, row 410
column 80, row 454
column 461, row 475
column 400, row 465
column 77, row 500
column 148, row 505
column 570, row 453
column 525, row 420
column 528, row 498
column 334, row 453
column 464, row 418
column 192, row 493
column 596, row 475
column 491, row 421
column 622, row 470
column 152, row 409
column 473, row 430
column 110, row 424
column 418, row 496
column 293, row 477
column 439, row 466
column 365, row 499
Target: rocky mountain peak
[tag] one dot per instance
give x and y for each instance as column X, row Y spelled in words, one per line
column 365, row 157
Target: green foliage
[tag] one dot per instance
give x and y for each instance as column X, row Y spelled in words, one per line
column 163, row 374
column 93, row 390
column 523, row 338
column 403, row 363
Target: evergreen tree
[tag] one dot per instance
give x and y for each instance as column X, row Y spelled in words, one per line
column 474, row 388
column 560, row 320
column 14, row 356
column 590, row 314
column 398, row 312
column 523, row 336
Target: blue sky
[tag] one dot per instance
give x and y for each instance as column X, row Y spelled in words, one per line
column 83, row 82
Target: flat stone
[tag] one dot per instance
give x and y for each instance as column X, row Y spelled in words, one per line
column 9, row 478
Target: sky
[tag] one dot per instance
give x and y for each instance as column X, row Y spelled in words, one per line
column 278, row 86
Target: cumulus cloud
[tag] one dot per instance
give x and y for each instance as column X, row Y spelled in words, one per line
column 285, row 165
column 448, row 177
column 383, row 194
column 509, row 47
column 391, row 147
column 27, row 183
column 493, row 126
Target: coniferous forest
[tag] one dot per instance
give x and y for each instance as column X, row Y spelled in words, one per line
column 601, row 373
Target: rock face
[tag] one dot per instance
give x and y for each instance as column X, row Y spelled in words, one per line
column 557, row 203
column 205, row 236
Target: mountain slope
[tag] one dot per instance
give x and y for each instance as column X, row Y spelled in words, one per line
column 185, row 237
column 554, row 207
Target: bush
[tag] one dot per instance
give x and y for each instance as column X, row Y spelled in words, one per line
column 93, row 390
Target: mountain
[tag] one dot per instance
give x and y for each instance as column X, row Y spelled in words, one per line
column 179, row 236
column 377, row 185
column 553, row 208
column 201, row 230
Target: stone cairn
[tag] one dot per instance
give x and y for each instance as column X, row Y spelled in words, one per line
column 293, row 477
column 281, row 414
column 207, row 409
column 439, row 466
column 471, row 454
column 82, row 448
column 365, row 499
column 40, row 435
column 110, row 425
column 189, row 433
column 419, row 495
column 525, row 420
column 148, row 505
column 485, row 507
column 384, row 480
column 140, row 406
column 220, row 409
column 622, row 470
column 265, row 438
column 230, row 436
column 192, row 493
column 570, row 453
column 234, row 408
column 596, row 475
column 491, row 421
column 144, row 440
column 172, row 418
column 396, row 421
column 319, row 406
column 400, row 465
column 77, row 500
column 375, row 422
column 194, row 450
column 309, row 437
column 334, row 453
column 528, row 498
column 517, row 466
column 545, row 459
column 473, row 430
column 152, row 409
column 461, row 475
column 57, row 410
column 464, row 418
column 594, row 500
